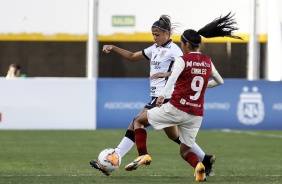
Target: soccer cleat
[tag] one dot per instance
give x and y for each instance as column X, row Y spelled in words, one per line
column 208, row 161
column 95, row 165
column 200, row 172
column 141, row 160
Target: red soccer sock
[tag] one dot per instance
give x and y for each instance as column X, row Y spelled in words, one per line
column 192, row 159
column 140, row 140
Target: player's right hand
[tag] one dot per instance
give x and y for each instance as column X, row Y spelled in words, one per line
column 107, row 48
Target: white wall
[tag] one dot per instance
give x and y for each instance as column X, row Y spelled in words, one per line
column 43, row 16
column 48, row 103
column 274, row 44
column 192, row 14
column 70, row 16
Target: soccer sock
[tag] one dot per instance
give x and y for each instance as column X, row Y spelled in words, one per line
column 198, row 151
column 195, row 148
column 192, row 159
column 177, row 140
column 140, row 138
column 130, row 135
column 206, row 159
column 126, row 143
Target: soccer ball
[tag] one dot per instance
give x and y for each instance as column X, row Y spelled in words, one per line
column 109, row 159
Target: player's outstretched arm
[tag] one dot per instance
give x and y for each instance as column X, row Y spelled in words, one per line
column 124, row 53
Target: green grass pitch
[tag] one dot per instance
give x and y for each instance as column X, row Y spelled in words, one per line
column 53, row 156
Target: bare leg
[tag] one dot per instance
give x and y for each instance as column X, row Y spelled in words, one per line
column 172, row 133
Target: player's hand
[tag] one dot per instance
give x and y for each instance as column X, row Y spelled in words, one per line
column 107, row 48
column 160, row 101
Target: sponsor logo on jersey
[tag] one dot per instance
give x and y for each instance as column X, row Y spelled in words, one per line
column 184, row 102
column 188, row 63
column 250, row 109
column 153, row 90
column 156, row 64
column 202, row 64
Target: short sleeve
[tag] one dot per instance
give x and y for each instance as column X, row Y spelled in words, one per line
column 148, row 52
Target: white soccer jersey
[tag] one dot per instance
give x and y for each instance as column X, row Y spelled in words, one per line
column 161, row 60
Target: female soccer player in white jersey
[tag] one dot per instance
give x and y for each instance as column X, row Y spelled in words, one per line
column 161, row 55
column 190, row 74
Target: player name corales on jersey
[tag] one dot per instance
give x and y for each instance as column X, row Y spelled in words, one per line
column 199, row 71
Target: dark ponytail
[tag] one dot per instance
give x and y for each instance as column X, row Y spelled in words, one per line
column 222, row 26
column 219, row 27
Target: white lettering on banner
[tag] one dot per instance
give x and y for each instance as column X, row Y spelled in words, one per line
column 217, row 106
column 250, row 107
column 277, row 106
column 124, row 105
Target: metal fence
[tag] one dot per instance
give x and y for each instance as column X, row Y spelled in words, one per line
column 68, row 59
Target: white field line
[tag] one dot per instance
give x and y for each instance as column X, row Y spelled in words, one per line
column 252, row 133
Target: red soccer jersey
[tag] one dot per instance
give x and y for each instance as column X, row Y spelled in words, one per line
column 190, row 87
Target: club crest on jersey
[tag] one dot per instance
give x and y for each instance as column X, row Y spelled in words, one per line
column 162, row 53
column 250, row 109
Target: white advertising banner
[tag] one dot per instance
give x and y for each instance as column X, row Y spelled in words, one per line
column 63, row 16
column 48, row 103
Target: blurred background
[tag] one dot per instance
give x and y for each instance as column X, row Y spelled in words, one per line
column 49, row 38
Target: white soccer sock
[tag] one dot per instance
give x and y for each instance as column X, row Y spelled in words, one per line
column 124, row 146
column 198, row 151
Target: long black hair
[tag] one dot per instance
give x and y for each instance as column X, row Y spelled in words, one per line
column 219, row 27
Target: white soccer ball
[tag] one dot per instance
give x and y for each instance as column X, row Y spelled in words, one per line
column 109, row 159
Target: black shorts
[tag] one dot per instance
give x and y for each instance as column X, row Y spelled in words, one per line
column 152, row 103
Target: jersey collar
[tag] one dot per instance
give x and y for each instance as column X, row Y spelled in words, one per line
column 164, row 45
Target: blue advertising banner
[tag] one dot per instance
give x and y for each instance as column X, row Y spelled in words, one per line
column 119, row 101
column 243, row 104
column 237, row 104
